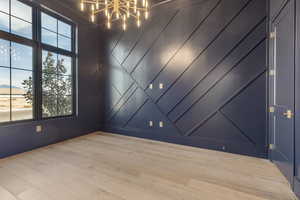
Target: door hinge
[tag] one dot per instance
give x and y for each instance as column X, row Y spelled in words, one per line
column 271, row 109
column 272, row 146
column 271, row 72
column 272, row 35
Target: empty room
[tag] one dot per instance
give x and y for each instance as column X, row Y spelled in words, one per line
column 149, row 100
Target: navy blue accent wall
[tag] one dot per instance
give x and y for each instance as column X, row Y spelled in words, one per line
column 22, row 136
column 210, row 56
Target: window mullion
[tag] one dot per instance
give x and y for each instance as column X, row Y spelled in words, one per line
column 38, row 59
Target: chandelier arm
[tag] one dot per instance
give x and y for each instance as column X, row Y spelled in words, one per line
column 121, row 12
column 142, row 9
column 88, row 2
column 123, row 4
column 124, row 10
column 99, row 11
column 137, row 8
column 110, row 6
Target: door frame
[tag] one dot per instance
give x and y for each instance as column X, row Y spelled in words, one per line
column 270, row 82
column 296, row 181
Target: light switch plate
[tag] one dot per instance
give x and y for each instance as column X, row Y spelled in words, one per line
column 161, row 86
column 161, row 124
column 150, row 123
column 39, row 128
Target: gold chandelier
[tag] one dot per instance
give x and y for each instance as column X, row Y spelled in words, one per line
column 116, row 10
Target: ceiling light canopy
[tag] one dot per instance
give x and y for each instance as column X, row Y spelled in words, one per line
column 117, row 10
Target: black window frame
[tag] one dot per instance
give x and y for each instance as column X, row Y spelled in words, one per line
column 38, row 47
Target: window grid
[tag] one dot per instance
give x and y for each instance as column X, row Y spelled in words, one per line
column 14, row 95
column 11, row 17
column 56, row 32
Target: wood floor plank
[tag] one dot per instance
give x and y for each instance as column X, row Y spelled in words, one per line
column 5, row 195
column 104, row 166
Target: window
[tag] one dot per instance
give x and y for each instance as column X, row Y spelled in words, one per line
column 57, row 66
column 36, row 66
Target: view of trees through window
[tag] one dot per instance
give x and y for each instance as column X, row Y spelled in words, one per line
column 56, row 85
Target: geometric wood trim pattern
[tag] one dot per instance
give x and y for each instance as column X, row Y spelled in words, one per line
column 211, row 61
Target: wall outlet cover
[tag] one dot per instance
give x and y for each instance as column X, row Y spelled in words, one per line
column 39, row 128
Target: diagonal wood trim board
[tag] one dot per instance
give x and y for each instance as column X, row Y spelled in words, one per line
column 105, row 166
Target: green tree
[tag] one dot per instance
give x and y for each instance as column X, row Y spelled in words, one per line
column 56, row 87
column 27, row 84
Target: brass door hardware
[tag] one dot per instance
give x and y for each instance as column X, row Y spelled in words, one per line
column 288, row 114
column 271, row 109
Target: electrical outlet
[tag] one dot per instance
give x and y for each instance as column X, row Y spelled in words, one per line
column 151, row 86
column 39, row 128
column 150, row 123
column 161, row 124
column 161, row 86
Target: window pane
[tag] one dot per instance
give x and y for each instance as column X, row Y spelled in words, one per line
column 4, row 81
column 22, row 98
column 49, row 84
column 64, row 43
column 4, row 6
column 64, row 89
column 4, row 108
column 21, row 110
column 64, row 29
column 64, row 65
column 49, row 106
column 4, row 22
column 21, row 81
column 49, row 22
column 64, row 85
column 22, row 95
column 21, row 56
column 49, row 37
column 68, row 82
column 4, row 53
column 4, row 95
column 64, row 105
column 57, row 95
column 50, row 89
column 49, row 64
column 21, row 10
column 20, row 27
column 49, row 96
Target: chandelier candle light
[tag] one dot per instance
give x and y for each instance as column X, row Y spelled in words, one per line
column 115, row 10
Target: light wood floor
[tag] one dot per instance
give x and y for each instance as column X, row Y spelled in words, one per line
column 103, row 166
